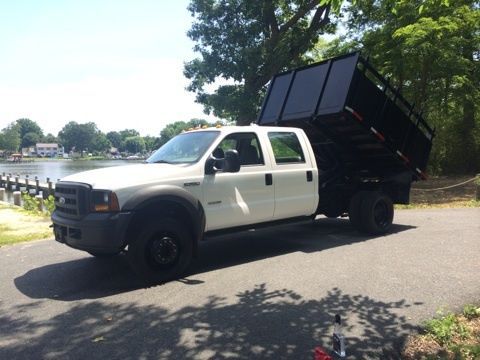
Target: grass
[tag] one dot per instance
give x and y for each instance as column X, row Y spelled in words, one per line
column 447, row 336
column 444, row 205
column 18, row 225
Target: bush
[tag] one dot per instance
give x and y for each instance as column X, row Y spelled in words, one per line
column 444, row 328
column 29, row 202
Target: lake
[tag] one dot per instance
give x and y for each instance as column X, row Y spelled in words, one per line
column 57, row 169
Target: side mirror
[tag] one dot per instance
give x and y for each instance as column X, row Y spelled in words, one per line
column 231, row 163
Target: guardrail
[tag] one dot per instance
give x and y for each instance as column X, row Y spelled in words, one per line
column 12, row 183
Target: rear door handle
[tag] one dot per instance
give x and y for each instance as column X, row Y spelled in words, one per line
column 268, row 179
column 309, row 176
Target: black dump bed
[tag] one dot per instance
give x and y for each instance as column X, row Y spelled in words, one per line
column 353, row 117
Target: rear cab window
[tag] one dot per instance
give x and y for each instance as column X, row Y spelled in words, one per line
column 286, row 148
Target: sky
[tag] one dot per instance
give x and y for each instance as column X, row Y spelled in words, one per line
column 116, row 63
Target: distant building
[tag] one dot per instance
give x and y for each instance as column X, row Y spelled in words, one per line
column 49, row 150
column 29, row 151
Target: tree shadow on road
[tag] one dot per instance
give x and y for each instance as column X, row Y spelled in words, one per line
column 92, row 278
column 258, row 323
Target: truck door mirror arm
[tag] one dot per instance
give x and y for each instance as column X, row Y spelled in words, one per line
column 231, row 163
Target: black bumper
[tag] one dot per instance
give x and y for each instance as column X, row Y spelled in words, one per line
column 96, row 232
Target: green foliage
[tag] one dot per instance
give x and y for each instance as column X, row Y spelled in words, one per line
column 471, row 311
column 10, row 138
column 246, row 43
column 135, row 144
column 115, row 139
column 445, row 327
column 430, row 51
column 30, row 132
column 49, row 204
column 30, row 139
column 83, row 137
column 177, row 127
column 30, row 203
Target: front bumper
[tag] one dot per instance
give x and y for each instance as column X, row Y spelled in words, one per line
column 95, row 232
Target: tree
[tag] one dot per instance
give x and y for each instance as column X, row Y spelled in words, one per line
column 78, row 136
column 135, row 144
column 151, row 143
column 27, row 126
column 128, row 133
column 247, row 42
column 10, row 138
column 30, row 139
column 50, row 138
column 100, row 143
column 177, row 127
column 115, row 139
column 429, row 50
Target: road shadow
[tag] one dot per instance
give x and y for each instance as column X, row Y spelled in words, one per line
column 93, row 278
column 258, row 323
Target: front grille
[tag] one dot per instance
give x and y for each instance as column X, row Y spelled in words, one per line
column 71, row 199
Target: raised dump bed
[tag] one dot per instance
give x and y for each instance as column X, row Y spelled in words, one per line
column 355, row 120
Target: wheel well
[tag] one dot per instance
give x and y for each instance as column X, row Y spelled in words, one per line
column 157, row 210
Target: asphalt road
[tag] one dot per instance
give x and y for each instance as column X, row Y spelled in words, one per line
column 269, row 294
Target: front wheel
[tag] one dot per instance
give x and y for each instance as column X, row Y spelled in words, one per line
column 161, row 251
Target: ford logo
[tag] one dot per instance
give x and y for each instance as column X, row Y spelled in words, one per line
column 62, row 200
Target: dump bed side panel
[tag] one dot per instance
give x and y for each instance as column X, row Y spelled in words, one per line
column 371, row 127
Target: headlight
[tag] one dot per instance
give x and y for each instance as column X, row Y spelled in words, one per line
column 104, row 201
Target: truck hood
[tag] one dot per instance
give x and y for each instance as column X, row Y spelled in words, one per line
column 117, row 177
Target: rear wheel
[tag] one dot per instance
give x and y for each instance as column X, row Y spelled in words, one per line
column 161, row 251
column 376, row 213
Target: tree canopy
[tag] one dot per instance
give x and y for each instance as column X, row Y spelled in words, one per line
column 246, row 42
column 430, row 51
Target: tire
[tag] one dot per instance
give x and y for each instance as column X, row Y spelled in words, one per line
column 376, row 212
column 161, row 252
column 354, row 210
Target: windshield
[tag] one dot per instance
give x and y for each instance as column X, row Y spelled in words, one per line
column 184, row 148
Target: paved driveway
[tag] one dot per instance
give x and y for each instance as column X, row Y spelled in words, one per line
column 270, row 294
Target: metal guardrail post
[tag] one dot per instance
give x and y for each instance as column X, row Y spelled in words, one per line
column 37, row 185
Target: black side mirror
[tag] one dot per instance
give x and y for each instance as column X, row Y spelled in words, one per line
column 231, row 162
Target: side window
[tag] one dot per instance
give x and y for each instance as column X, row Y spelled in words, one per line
column 286, row 147
column 247, row 145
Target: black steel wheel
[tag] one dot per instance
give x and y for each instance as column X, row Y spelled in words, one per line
column 161, row 251
column 376, row 213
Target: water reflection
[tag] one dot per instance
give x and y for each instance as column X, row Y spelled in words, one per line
column 57, row 169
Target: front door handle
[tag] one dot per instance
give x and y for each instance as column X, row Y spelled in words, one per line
column 268, row 179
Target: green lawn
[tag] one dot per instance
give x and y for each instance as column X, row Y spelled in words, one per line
column 18, row 225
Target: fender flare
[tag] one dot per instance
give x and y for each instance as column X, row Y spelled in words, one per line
column 150, row 195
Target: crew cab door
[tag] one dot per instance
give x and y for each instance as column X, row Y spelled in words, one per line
column 294, row 175
column 242, row 198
